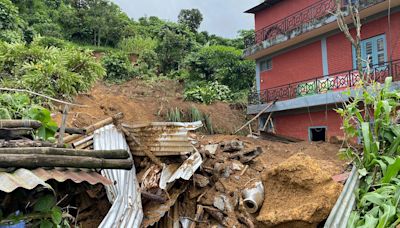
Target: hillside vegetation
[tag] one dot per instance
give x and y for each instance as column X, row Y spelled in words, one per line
column 47, row 46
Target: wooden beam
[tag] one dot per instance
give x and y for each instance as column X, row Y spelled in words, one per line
column 106, row 154
column 258, row 115
column 20, row 123
column 32, row 161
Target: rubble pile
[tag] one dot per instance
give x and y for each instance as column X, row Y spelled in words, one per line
column 298, row 191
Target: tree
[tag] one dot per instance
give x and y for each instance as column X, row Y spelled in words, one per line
column 191, row 18
column 223, row 64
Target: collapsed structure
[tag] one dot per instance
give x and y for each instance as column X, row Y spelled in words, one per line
column 160, row 174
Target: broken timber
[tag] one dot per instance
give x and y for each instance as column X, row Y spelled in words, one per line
column 258, row 115
column 20, row 124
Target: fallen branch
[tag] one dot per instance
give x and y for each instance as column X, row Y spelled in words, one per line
column 41, row 95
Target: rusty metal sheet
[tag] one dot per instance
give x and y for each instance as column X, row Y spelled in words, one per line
column 29, row 179
column 162, row 138
column 126, row 209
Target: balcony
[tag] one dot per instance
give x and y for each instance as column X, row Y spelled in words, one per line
column 324, row 84
column 308, row 19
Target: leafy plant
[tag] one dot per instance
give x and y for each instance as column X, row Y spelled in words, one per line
column 208, row 93
column 174, row 115
column 371, row 118
column 118, row 66
column 45, row 214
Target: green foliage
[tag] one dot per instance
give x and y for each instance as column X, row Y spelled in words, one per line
column 208, row 93
column 175, row 42
column 20, row 106
column 373, row 112
column 174, row 115
column 49, row 41
column 53, row 71
column 10, row 22
column 223, row 64
column 118, row 66
column 191, row 18
column 137, row 45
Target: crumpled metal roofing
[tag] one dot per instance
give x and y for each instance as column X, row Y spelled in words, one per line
column 29, row 179
column 126, row 209
column 162, row 138
column 185, row 171
column 340, row 213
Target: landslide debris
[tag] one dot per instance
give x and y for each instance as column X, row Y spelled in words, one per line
column 298, row 191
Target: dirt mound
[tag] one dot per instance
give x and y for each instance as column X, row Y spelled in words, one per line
column 142, row 101
column 298, row 190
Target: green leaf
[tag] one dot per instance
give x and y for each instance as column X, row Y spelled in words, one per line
column 363, row 172
column 388, row 213
column 392, row 171
column 353, row 219
column 45, row 203
column 370, row 221
column 56, row 215
column 46, row 224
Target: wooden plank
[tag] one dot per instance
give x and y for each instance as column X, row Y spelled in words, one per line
column 258, row 115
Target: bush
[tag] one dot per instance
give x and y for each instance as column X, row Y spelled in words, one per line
column 208, row 93
column 137, row 45
column 53, row 71
column 223, row 64
column 118, row 66
column 48, row 41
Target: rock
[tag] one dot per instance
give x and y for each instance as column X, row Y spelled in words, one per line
column 201, row 180
column 232, row 146
column 211, row 148
column 236, row 165
column 219, row 202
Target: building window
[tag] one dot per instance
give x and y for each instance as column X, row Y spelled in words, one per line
column 317, row 134
column 373, row 50
column 266, row 65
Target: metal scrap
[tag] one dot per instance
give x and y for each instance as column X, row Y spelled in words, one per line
column 29, row 179
column 126, row 209
column 162, row 138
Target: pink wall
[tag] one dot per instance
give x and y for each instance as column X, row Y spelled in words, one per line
column 339, row 48
column 296, row 65
column 297, row 125
column 279, row 11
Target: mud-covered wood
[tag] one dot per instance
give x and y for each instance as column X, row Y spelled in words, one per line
column 32, row 161
column 14, row 133
column 95, row 126
column 25, row 143
column 107, row 154
column 20, row 123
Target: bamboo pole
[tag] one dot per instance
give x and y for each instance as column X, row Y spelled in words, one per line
column 20, row 123
column 258, row 115
column 31, row 161
column 85, row 145
column 106, row 154
column 25, row 143
column 95, row 126
column 266, row 122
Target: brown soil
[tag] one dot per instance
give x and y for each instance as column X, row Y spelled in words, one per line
column 142, row 101
column 298, row 189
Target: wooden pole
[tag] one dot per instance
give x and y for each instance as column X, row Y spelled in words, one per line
column 20, row 123
column 107, row 154
column 32, row 161
column 95, row 126
column 266, row 122
column 25, row 143
column 63, row 123
column 258, row 115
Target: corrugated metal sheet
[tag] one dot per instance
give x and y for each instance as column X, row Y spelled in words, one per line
column 162, row 138
column 185, row 171
column 344, row 205
column 29, row 179
column 126, row 209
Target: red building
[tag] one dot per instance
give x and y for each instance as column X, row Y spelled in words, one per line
column 305, row 62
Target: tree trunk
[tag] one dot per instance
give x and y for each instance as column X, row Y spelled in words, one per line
column 32, row 161
column 106, row 154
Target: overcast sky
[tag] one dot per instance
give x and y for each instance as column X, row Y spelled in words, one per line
column 221, row 17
